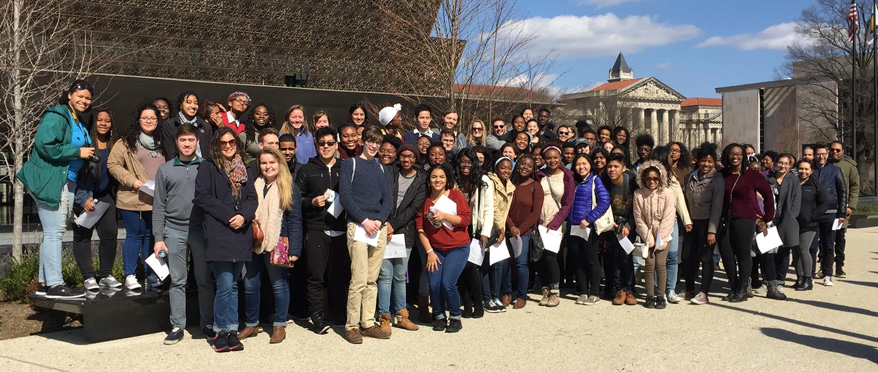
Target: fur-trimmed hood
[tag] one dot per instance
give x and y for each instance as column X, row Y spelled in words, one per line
column 642, row 174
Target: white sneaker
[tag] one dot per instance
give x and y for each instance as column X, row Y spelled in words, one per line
column 761, row 290
column 110, row 282
column 91, row 284
column 827, row 281
column 499, row 304
column 673, row 298
column 131, row 283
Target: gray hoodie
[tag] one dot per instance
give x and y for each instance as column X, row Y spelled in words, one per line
column 704, row 197
column 174, row 202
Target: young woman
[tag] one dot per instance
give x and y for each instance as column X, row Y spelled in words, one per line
column 320, row 119
column 133, row 161
column 446, row 249
column 435, row 155
column 212, row 113
column 813, row 205
column 533, row 128
column 424, row 143
column 680, row 161
column 295, row 126
column 621, row 137
column 478, row 190
column 93, row 186
column 539, row 162
column 524, row 214
column 358, row 115
column 509, row 151
column 599, row 159
column 519, row 124
column 522, row 142
column 163, row 104
column 704, row 198
column 608, row 146
column 229, row 202
column 349, row 141
column 788, row 193
column 492, row 276
column 476, row 135
column 408, row 187
column 558, row 190
column 527, row 114
column 662, row 154
column 740, row 215
column 279, row 213
column 590, row 202
column 654, row 217
column 485, row 157
column 260, row 117
column 449, row 122
column 61, row 148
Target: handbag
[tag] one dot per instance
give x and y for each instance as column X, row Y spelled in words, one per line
column 606, row 222
column 280, row 256
column 258, row 235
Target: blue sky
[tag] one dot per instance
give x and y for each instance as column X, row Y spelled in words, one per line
column 693, row 46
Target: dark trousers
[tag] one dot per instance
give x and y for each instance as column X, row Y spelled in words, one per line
column 107, row 230
column 734, row 248
column 587, row 268
column 618, row 265
column 840, row 242
column 782, row 263
column 696, row 251
column 469, row 285
column 328, row 266
column 826, row 243
column 766, row 263
column 550, row 275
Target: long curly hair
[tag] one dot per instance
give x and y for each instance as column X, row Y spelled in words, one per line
column 250, row 122
column 133, row 133
column 475, row 176
column 217, row 153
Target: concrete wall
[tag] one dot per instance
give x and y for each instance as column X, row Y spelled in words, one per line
column 741, row 117
column 780, row 120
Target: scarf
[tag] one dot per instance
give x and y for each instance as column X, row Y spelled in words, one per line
column 269, row 214
column 183, row 120
column 237, row 174
column 347, row 154
column 148, row 143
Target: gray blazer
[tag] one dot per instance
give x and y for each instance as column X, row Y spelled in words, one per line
column 789, row 202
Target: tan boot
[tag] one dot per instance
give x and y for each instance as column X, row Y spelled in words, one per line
column 545, row 299
column 248, row 332
column 554, row 298
column 424, row 310
column 278, row 334
column 384, row 323
column 402, row 321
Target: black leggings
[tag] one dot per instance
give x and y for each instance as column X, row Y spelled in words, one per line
column 734, row 248
column 695, row 251
column 469, row 285
column 550, row 275
column 588, row 268
column 107, row 230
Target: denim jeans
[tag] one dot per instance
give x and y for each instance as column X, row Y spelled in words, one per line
column 179, row 242
column 391, row 280
column 225, row 305
column 522, row 271
column 492, row 277
column 260, row 264
column 673, row 249
column 443, row 282
column 54, row 221
column 138, row 240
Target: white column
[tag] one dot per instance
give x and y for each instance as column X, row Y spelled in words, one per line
column 666, row 128
column 675, row 127
column 653, row 123
column 641, row 121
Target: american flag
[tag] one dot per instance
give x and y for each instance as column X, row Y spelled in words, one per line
column 854, row 23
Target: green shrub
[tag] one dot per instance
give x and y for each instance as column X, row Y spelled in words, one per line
column 866, row 209
column 16, row 279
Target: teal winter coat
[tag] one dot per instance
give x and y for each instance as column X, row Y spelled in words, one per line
column 45, row 172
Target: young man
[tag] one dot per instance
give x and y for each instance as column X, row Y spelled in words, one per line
column 447, row 137
column 604, row 133
column 566, row 133
column 589, row 135
column 498, row 137
column 423, row 118
column 569, row 152
column 365, row 194
column 618, row 265
column 287, row 144
column 177, row 229
column 851, row 177
column 188, row 103
column 808, row 153
column 325, row 250
column 544, row 118
column 644, row 143
column 238, row 103
column 831, row 182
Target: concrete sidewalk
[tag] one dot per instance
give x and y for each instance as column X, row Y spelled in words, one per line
column 827, row 329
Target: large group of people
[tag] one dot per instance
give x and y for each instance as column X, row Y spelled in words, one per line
column 358, row 223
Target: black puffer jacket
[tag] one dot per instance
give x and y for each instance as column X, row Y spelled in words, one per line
column 814, row 205
column 313, row 180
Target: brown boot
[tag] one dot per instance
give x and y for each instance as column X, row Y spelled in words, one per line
column 424, row 315
column 630, row 299
column 506, row 300
column 278, row 334
column 519, row 303
column 384, row 323
column 353, row 336
column 402, row 321
column 375, row 332
column 621, row 296
column 554, row 298
column 248, row 332
column 545, row 299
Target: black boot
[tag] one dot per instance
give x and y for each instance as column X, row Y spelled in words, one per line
column 467, row 311
column 801, row 284
column 740, row 296
column 746, row 289
column 809, row 283
column 798, row 282
column 773, row 292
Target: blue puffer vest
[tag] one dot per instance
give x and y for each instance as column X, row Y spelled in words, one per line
column 582, row 202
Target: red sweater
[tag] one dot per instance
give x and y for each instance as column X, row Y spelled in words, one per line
column 442, row 238
column 525, row 210
column 743, row 197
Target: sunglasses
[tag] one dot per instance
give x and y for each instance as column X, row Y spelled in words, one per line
column 499, row 126
column 564, row 133
column 651, row 179
column 229, row 143
column 325, row 143
column 834, row 150
column 477, row 129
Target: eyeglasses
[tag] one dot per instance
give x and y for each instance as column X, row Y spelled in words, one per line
column 149, row 120
column 243, row 101
column 229, row 143
column 675, row 151
column 652, row 179
column 325, row 143
column 477, row 129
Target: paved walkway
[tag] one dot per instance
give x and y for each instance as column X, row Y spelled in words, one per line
column 827, row 329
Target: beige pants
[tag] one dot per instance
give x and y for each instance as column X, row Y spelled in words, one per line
column 365, row 267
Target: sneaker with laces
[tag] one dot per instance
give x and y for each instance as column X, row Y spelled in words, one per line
column 91, row 284
column 353, row 336
column 454, row 325
column 63, row 292
column 827, row 281
column 581, row 299
column 131, row 283
column 41, row 290
column 234, row 342
column 621, row 296
column 763, row 289
column 700, row 299
column 674, row 298
column 591, row 300
column 661, row 303
column 490, row 307
column 110, row 282
column 375, row 332
column 499, row 305
column 630, row 299
column 440, row 325
column 174, row 337
column 221, row 342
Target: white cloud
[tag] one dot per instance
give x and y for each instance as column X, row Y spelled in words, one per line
column 540, row 80
column 663, row 65
column 776, row 37
column 606, row 3
column 572, row 37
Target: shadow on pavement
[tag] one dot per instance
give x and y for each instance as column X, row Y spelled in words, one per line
column 867, row 284
column 799, row 322
column 837, row 307
column 846, row 348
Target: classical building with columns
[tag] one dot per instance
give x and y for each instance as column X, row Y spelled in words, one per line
column 645, row 105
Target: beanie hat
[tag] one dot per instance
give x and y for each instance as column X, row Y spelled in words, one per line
column 388, row 113
column 409, row 147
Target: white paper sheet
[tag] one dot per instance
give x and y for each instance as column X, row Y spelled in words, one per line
column 476, row 253
column 335, row 208
column 517, row 245
column 551, row 238
column 767, row 243
column 159, row 267
column 330, row 195
column 837, row 224
column 360, row 236
column 395, row 247
column 148, row 188
column 498, row 252
column 626, row 244
column 580, row 232
column 89, row 219
column 446, row 205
